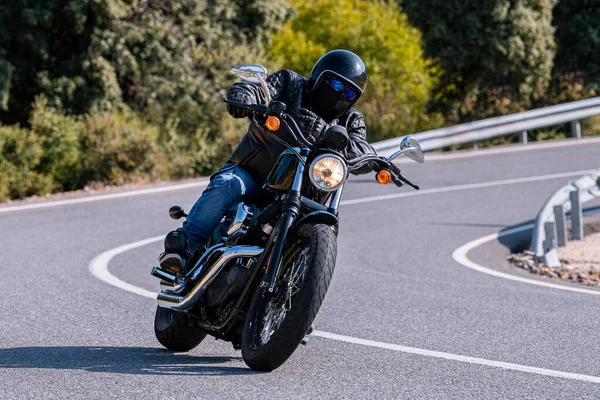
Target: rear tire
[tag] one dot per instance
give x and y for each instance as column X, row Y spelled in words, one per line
column 319, row 266
column 175, row 331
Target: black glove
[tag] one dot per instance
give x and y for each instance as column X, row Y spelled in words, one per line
column 310, row 124
column 235, row 111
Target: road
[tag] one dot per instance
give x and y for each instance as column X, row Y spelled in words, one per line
column 434, row 328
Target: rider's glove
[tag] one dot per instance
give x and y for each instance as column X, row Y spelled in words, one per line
column 237, row 95
column 310, row 124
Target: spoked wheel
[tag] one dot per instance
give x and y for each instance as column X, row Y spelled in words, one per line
column 275, row 325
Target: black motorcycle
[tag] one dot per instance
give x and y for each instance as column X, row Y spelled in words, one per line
column 261, row 281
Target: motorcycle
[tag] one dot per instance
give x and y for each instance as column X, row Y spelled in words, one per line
column 261, row 280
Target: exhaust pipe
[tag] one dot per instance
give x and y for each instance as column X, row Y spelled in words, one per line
column 184, row 303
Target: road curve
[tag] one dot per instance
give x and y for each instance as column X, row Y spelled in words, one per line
column 402, row 319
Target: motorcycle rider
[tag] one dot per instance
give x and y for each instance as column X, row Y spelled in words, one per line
column 336, row 82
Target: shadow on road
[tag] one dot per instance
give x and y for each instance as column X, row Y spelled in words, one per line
column 518, row 241
column 120, row 360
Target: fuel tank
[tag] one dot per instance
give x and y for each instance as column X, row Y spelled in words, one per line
column 282, row 175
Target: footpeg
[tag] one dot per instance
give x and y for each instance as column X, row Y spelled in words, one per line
column 164, row 275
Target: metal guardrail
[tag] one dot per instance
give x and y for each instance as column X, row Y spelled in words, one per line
column 550, row 229
column 474, row 132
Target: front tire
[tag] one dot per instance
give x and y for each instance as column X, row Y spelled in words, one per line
column 175, row 331
column 320, row 240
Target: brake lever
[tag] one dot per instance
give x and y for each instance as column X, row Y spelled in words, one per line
column 397, row 174
column 409, row 183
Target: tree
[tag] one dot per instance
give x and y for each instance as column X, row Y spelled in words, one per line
column 95, row 55
column 496, row 55
column 399, row 76
column 578, row 39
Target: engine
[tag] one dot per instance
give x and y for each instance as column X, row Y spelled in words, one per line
column 226, row 289
column 238, row 226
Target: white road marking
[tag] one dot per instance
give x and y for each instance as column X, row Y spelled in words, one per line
column 89, row 199
column 460, row 256
column 99, row 268
column 467, row 187
column 457, row 357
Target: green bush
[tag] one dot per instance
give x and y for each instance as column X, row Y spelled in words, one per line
column 400, row 78
column 20, row 156
column 119, row 148
column 60, row 135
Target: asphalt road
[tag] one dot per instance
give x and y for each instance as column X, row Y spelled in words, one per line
column 66, row 334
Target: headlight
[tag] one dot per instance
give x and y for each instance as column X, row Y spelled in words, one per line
column 328, row 172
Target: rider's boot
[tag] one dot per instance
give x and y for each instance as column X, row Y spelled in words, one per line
column 177, row 252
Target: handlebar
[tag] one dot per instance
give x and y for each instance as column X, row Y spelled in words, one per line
column 278, row 109
column 382, row 164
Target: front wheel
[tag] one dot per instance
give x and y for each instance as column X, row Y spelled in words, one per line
column 276, row 325
column 175, row 330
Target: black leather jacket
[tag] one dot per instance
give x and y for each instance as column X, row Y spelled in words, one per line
column 258, row 152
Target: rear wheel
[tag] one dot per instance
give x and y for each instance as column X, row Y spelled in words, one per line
column 276, row 325
column 175, row 330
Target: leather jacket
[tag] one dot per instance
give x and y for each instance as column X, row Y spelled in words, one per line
column 258, row 152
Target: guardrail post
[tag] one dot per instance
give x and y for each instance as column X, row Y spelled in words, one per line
column 561, row 227
column 550, row 254
column 576, row 129
column 576, row 215
column 550, row 230
column 523, row 137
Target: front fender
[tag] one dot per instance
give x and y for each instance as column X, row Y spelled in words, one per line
column 322, row 217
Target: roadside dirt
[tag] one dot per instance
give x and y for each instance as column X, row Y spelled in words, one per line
column 580, row 260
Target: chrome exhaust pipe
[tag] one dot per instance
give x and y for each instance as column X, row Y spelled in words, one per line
column 184, row 303
column 171, row 287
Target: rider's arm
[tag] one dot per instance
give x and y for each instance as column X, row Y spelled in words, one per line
column 358, row 145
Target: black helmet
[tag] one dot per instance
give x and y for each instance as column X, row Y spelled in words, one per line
column 335, row 83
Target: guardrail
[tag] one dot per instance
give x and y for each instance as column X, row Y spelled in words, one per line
column 550, row 229
column 474, row 132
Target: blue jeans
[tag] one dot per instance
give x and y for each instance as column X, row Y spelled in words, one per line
column 228, row 186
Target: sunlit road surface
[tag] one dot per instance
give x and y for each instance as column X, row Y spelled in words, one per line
column 402, row 319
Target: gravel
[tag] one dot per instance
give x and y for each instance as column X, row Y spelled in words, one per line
column 580, row 260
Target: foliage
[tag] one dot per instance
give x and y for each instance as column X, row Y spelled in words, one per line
column 496, row 55
column 119, row 148
column 20, row 156
column 95, row 55
column 399, row 77
column 59, row 138
column 578, row 55
column 126, row 88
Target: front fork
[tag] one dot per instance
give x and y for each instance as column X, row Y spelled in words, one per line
column 291, row 210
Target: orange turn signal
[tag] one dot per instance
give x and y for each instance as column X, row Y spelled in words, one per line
column 272, row 123
column 384, row 177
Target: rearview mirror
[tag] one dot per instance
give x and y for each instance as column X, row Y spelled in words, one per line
column 254, row 73
column 414, row 152
column 411, row 148
column 250, row 72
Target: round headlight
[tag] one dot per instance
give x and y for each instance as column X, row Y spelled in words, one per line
column 327, row 172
